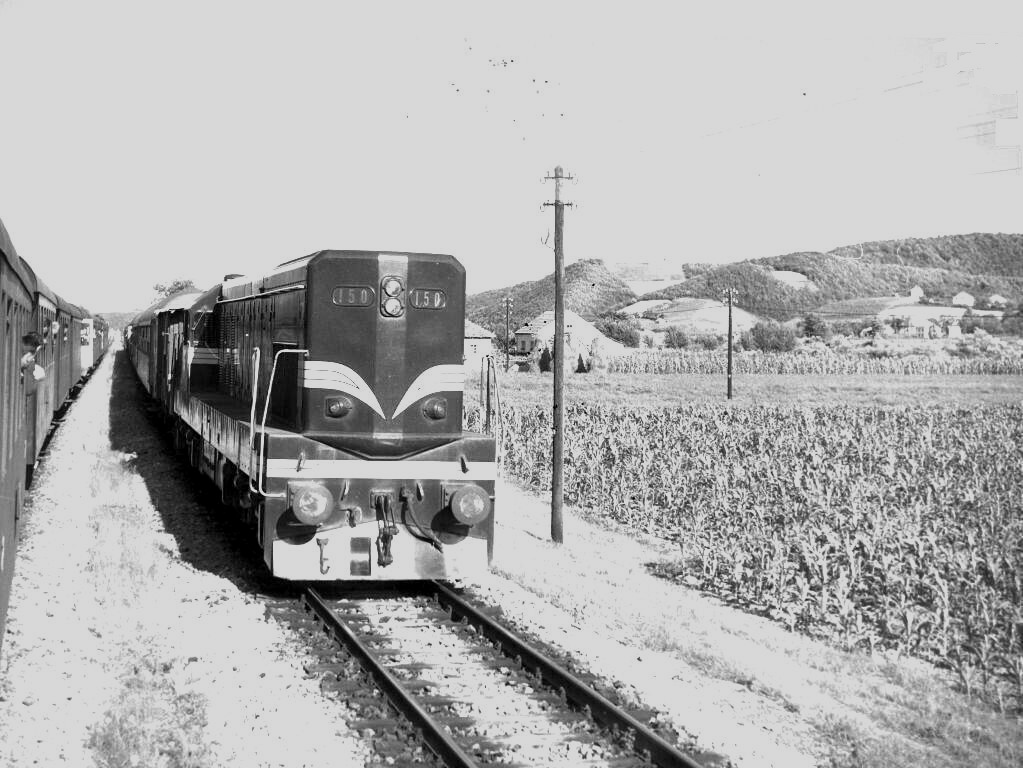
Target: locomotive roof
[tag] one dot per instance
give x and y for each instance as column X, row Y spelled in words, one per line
column 293, row 272
column 167, row 304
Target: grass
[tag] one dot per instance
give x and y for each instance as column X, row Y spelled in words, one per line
column 149, row 723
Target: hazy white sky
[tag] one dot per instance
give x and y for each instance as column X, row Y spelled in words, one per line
column 143, row 142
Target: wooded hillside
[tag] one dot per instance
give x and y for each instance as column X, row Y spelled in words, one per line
column 980, row 264
column 590, row 290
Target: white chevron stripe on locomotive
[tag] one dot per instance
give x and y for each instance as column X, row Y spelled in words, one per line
column 440, row 378
column 362, row 469
column 320, row 374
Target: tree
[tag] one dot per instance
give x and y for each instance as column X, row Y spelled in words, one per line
column 545, row 360
column 770, row 336
column 676, row 338
column 815, row 326
column 173, row 288
column 619, row 327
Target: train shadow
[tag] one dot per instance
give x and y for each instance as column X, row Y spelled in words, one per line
column 209, row 536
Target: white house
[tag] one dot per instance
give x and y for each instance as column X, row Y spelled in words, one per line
column 962, row 299
column 479, row 342
column 916, row 293
column 539, row 333
column 997, row 300
column 923, row 320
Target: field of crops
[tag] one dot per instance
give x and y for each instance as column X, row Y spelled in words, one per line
column 895, row 528
column 825, row 364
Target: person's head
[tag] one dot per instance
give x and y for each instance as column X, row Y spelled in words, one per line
column 31, row 341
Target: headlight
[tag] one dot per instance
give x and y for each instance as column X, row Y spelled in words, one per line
column 436, row 408
column 470, row 504
column 312, row 503
column 393, row 307
column 337, row 407
column 391, row 286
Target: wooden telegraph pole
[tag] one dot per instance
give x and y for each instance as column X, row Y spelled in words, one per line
column 507, row 332
column 557, row 470
column 731, row 291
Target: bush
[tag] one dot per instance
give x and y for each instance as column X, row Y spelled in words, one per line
column 710, row 341
column 769, row 336
column 676, row 338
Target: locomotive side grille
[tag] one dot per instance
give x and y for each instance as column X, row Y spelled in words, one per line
column 227, row 376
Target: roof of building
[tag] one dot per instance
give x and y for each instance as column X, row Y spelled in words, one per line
column 473, row 331
column 547, row 318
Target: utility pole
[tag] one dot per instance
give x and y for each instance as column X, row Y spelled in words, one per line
column 507, row 332
column 558, row 468
column 730, row 293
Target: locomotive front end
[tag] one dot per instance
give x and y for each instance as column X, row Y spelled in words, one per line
column 381, row 483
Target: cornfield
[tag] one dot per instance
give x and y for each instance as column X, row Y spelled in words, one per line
column 752, row 362
column 877, row 528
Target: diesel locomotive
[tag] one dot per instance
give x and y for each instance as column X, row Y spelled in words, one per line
column 37, row 377
column 324, row 400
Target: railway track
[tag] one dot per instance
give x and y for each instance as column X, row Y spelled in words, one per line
column 454, row 687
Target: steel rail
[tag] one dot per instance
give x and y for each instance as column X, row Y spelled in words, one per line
column 660, row 752
column 433, row 733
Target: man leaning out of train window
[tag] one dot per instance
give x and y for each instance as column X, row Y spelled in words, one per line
column 30, row 344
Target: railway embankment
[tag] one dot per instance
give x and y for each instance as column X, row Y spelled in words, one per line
column 139, row 627
column 128, row 643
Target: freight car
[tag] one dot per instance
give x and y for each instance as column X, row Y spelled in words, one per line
column 28, row 404
column 324, row 399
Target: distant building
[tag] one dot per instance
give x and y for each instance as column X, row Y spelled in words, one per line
column 963, row 299
column 997, row 300
column 922, row 320
column 479, row 342
column 539, row 333
column 916, row 293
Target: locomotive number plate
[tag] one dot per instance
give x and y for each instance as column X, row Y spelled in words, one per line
column 353, row 296
column 427, row 298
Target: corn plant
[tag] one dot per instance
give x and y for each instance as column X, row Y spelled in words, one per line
column 898, row 528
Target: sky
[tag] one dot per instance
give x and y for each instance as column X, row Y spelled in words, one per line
column 144, row 142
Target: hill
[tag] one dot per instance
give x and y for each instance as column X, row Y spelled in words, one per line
column 590, row 290
column 980, row 264
column 701, row 316
column 986, row 254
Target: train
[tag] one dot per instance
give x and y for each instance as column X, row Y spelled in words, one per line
column 48, row 349
column 323, row 399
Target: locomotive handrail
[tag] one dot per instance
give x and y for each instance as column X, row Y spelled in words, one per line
column 273, row 292
column 252, row 413
column 262, row 426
